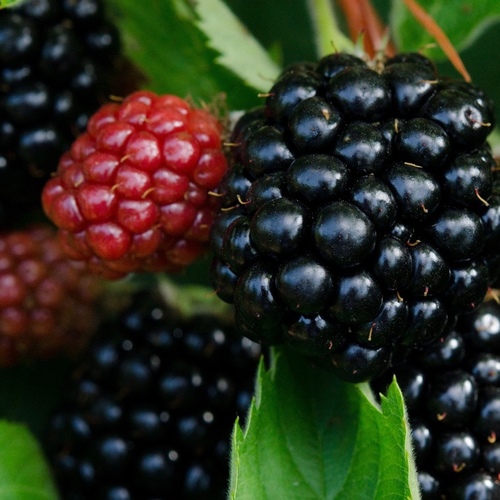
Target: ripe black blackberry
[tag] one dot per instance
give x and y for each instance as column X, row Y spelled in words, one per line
column 355, row 215
column 57, row 59
column 452, row 391
column 151, row 408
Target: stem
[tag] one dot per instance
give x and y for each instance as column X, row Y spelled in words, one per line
column 443, row 41
column 375, row 29
column 363, row 20
column 329, row 38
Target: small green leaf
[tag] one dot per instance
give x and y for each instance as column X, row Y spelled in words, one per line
column 238, row 50
column 463, row 21
column 163, row 41
column 24, row 474
column 9, row 3
column 312, row 436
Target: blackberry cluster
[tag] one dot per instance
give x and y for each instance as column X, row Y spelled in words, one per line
column 452, row 392
column 353, row 216
column 151, row 408
column 57, row 58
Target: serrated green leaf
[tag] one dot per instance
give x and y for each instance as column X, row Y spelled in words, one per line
column 238, row 50
column 311, row 436
column 24, row 474
column 173, row 53
column 450, row 16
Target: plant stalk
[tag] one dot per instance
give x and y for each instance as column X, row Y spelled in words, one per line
column 329, row 38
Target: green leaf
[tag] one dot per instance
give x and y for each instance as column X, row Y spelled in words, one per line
column 164, row 43
column 238, row 50
column 24, row 474
column 9, row 3
column 311, row 436
column 462, row 21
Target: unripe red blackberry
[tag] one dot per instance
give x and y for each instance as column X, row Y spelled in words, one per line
column 57, row 62
column 133, row 194
column 47, row 303
column 150, row 410
column 355, row 213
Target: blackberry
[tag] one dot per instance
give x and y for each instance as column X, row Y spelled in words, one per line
column 149, row 411
column 451, row 389
column 58, row 60
column 360, row 212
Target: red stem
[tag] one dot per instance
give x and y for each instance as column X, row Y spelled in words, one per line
column 439, row 35
column 362, row 17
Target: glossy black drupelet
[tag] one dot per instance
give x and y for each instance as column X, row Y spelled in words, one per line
column 355, row 216
column 452, row 393
column 57, row 62
column 150, row 409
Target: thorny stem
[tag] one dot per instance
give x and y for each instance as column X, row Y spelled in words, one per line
column 329, row 38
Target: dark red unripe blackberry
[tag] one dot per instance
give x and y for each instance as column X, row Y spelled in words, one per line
column 47, row 50
column 47, row 303
column 364, row 199
column 151, row 408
